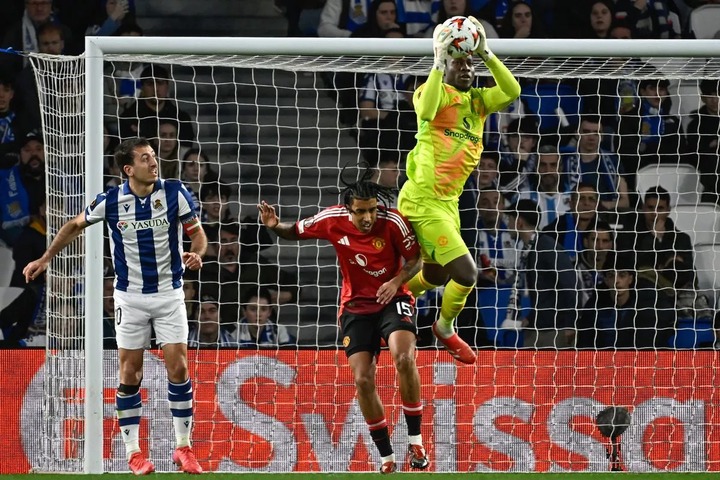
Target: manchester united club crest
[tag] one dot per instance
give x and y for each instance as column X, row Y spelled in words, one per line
column 346, row 341
column 378, row 243
column 158, row 205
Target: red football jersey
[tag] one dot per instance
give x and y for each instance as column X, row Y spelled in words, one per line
column 367, row 260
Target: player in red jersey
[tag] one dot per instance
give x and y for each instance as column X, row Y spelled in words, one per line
column 378, row 253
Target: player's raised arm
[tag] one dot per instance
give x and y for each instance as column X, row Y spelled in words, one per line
column 427, row 99
column 69, row 232
column 270, row 219
column 508, row 88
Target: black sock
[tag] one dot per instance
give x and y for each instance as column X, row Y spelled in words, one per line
column 413, row 417
column 381, row 437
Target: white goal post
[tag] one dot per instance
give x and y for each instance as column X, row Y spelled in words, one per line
column 530, row 57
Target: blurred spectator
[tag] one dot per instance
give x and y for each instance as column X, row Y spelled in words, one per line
column 648, row 134
column 122, row 79
column 547, row 273
column 607, row 97
column 485, row 176
column 23, row 187
column 597, row 241
column 493, row 246
column 387, row 172
column 554, row 105
column 109, row 19
column 9, row 122
column 454, row 8
column 51, row 41
column 703, row 134
column 304, row 17
column 239, row 270
column 195, row 171
column 551, row 193
column 23, row 35
column 493, row 249
column 168, row 149
column 141, row 117
column 590, row 163
column 212, row 231
column 649, row 18
column 518, row 155
column 191, row 290
column 602, row 13
column 210, row 330
column 520, row 22
column 256, row 327
column 382, row 19
column 214, row 197
column 659, row 243
column 25, row 316
column 567, row 230
column 109, row 313
column 340, row 19
column 620, row 30
column 418, row 16
column 254, row 236
column 388, row 124
column 111, row 170
column 621, row 316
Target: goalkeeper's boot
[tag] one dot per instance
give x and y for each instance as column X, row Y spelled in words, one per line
column 139, row 465
column 456, row 346
column 417, row 458
column 185, row 459
column 388, row 467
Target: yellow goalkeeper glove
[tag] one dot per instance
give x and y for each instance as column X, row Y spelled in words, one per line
column 442, row 39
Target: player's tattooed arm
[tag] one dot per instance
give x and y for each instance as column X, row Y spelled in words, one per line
column 270, row 219
column 387, row 290
column 410, row 269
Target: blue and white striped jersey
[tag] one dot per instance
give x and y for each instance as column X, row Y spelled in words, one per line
column 145, row 234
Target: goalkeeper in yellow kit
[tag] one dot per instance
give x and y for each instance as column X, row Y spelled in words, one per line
column 451, row 115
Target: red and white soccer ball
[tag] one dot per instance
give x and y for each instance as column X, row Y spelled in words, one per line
column 465, row 36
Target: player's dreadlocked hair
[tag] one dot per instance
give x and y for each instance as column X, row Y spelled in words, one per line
column 364, row 189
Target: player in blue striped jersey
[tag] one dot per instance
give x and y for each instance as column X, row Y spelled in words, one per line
column 145, row 217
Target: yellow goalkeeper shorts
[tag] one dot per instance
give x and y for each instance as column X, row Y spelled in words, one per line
column 437, row 227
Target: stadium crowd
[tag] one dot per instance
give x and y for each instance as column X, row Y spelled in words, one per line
column 609, row 268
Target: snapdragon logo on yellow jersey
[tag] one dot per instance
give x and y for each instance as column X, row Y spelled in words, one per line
column 462, row 136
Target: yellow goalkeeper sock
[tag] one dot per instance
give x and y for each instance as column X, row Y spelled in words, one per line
column 418, row 285
column 453, row 302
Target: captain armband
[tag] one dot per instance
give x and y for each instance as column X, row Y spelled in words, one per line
column 191, row 226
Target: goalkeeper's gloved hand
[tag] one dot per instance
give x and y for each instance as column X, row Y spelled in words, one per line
column 441, row 41
column 482, row 49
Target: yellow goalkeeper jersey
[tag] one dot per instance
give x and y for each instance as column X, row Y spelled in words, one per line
column 449, row 138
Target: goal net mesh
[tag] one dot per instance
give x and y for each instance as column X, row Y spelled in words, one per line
column 281, row 129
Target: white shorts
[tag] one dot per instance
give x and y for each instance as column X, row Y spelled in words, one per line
column 135, row 313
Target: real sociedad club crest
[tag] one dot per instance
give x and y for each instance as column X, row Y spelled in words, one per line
column 122, row 226
column 158, row 205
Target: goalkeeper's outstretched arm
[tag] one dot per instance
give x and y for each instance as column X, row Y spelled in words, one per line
column 508, row 88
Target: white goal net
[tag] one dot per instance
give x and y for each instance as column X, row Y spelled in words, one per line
column 280, row 128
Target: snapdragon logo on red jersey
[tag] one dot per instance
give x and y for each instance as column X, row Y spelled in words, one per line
column 361, row 260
